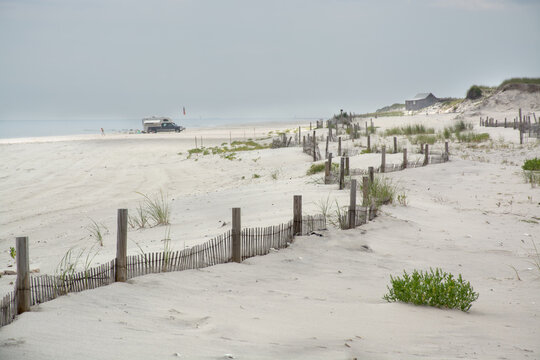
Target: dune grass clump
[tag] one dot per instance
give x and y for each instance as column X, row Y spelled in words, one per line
column 423, row 139
column 409, row 130
column 381, row 192
column 531, row 164
column 434, row 288
column 155, row 208
column 97, row 230
column 472, row 137
column 316, row 168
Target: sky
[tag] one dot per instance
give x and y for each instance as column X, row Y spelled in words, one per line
column 123, row 59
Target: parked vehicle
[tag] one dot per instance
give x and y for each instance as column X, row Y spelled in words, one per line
column 156, row 124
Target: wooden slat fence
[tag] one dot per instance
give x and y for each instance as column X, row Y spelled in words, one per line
column 255, row 242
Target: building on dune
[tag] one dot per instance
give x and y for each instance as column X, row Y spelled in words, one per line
column 420, row 101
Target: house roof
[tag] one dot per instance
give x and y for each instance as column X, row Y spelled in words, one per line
column 421, row 96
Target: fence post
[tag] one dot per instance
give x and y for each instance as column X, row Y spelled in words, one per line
column 23, row 274
column 505, row 123
column 342, row 173
column 426, row 154
column 520, row 132
column 327, row 172
column 314, row 147
column 236, row 236
column 121, row 246
column 339, row 147
column 297, row 215
column 346, row 166
column 519, row 114
column 446, row 149
column 370, row 172
column 365, row 190
column 352, row 205
column 383, row 158
column 404, row 166
column 395, row 144
column 367, row 133
column 326, row 151
column 369, row 143
column 310, row 126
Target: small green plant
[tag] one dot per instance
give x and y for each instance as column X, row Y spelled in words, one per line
column 97, row 230
column 340, row 218
column 324, row 206
column 167, row 250
column 275, row 174
column 157, row 208
column 12, row 252
column 140, row 219
column 402, row 199
column 433, row 288
column 316, row 168
column 256, row 176
column 531, row 164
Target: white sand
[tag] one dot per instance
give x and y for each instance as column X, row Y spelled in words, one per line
column 320, row 298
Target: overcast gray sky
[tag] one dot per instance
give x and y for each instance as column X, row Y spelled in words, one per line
column 64, row 59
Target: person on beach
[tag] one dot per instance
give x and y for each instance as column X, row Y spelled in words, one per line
column 102, row 132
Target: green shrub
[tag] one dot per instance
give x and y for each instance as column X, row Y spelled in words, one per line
column 474, row 93
column 532, row 164
column 433, row 288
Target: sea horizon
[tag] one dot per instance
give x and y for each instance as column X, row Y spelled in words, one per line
column 10, row 129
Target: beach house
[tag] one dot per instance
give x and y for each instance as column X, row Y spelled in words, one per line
column 420, row 101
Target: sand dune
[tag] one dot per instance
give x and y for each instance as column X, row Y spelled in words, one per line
column 320, row 298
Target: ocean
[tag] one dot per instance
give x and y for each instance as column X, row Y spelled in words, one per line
column 38, row 128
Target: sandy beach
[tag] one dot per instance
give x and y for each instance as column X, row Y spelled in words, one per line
column 321, row 298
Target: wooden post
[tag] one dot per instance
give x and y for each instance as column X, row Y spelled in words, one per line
column 367, row 133
column 310, row 126
column 371, row 175
column 195, row 142
column 326, row 151
column 314, row 147
column 520, row 132
column 365, row 190
column 505, row 123
column 446, row 149
column 236, row 236
column 346, row 166
column 327, row 172
column 297, row 215
column 426, row 154
column 23, row 274
column 330, row 162
column 299, row 134
column 339, row 147
column 121, row 246
column 369, row 143
column 329, row 130
column 404, row 165
column 520, row 115
column 304, row 142
column 395, row 145
column 421, row 148
column 342, row 173
column 383, row 158
column 352, row 205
